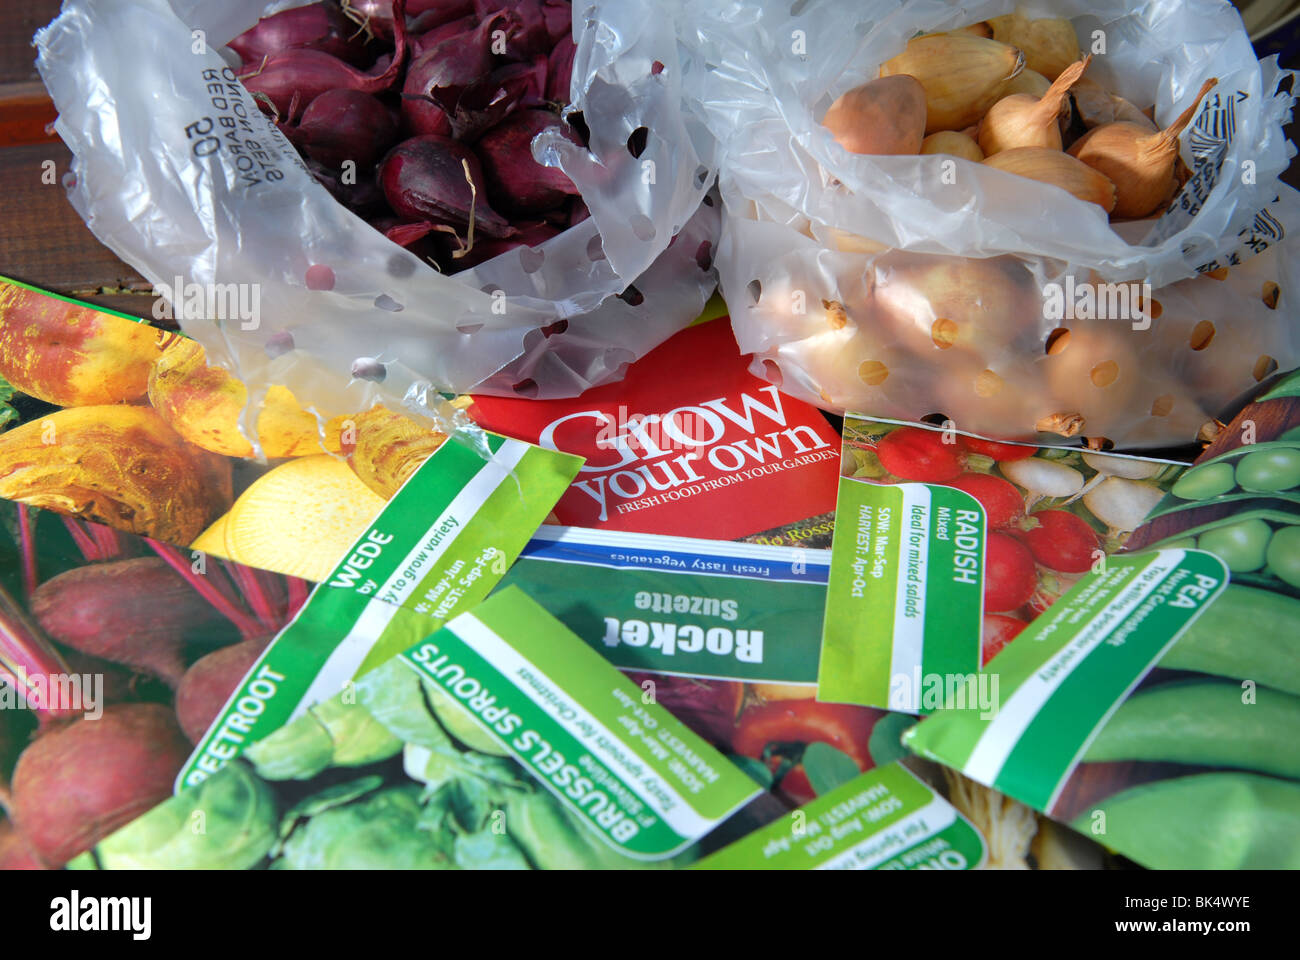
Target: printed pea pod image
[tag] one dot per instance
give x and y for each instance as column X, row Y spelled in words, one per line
column 1216, row 821
column 1270, row 469
column 1260, row 546
column 1205, row 723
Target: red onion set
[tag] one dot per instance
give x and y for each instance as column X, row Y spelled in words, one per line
column 419, row 115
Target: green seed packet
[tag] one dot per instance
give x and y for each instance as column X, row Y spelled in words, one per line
column 1165, row 729
column 500, row 741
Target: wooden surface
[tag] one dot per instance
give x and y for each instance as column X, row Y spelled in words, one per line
column 42, row 240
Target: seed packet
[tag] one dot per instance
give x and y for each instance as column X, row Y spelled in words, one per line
column 438, row 546
column 688, row 444
column 724, row 635
column 170, row 661
column 950, row 544
column 1173, row 745
column 124, row 649
column 500, row 741
column 884, row 819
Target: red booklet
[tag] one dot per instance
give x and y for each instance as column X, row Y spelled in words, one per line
column 689, row 444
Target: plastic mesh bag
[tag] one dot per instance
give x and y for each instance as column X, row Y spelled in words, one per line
column 141, row 87
column 887, row 285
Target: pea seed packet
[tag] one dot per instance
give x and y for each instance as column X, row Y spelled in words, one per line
column 1173, row 746
column 690, row 444
column 884, row 819
column 438, row 546
column 950, row 544
column 499, row 741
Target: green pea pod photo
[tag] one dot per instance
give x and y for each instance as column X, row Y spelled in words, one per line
column 1212, row 723
column 1246, row 634
column 1207, row 821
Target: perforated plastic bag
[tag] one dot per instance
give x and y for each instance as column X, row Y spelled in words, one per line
column 141, row 84
column 818, row 289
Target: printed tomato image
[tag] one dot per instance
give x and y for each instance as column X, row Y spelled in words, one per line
column 778, row 734
column 911, row 453
column 996, row 450
column 999, row 630
column 1000, row 499
column 1009, row 574
column 1060, row 540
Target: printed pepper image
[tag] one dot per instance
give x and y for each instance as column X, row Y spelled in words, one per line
column 779, row 734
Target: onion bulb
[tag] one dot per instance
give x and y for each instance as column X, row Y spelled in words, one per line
column 1050, row 45
column 885, row 116
column 1097, row 105
column 1140, row 163
column 1023, row 120
column 953, row 143
column 1058, row 169
column 962, row 75
column 934, row 304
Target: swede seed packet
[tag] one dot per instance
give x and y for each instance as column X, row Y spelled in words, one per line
column 499, row 741
column 948, row 545
column 884, row 819
column 439, row 545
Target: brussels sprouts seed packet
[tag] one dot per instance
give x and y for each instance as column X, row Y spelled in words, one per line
column 440, row 545
column 949, row 544
column 499, row 741
column 884, row 819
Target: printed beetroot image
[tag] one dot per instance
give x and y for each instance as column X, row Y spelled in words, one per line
column 116, row 653
column 1052, row 512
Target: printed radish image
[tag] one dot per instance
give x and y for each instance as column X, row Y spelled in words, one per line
column 999, row 630
column 1001, row 501
column 1060, row 540
column 1009, row 577
column 912, row 453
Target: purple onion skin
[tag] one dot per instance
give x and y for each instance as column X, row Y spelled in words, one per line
column 559, row 70
column 342, row 125
column 306, row 74
column 364, row 198
column 423, row 42
column 423, row 179
column 484, row 104
column 437, row 78
column 421, row 14
column 318, row 26
column 526, row 36
column 518, row 184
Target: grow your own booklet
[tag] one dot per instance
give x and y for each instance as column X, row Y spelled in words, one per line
column 690, row 444
column 498, row 741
